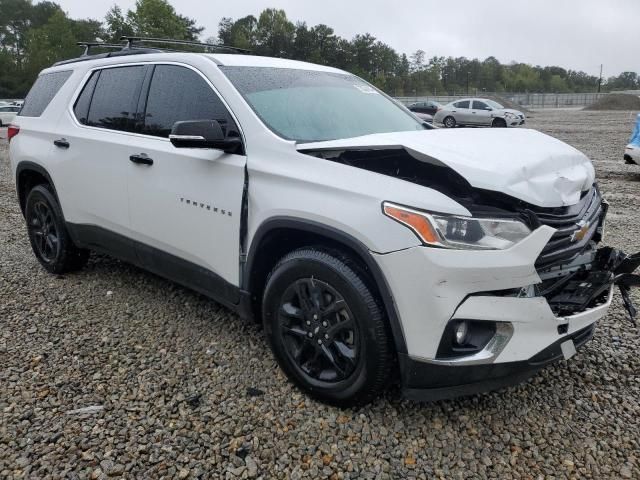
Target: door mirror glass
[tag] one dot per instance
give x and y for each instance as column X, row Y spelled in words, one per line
column 203, row 134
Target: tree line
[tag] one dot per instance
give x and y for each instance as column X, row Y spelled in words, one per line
column 35, row 35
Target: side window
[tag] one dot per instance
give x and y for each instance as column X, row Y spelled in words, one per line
column 115, row 98
column 178, row 93
column 4, row 109
column 477, row 105
column 81, row 108
column 42, row 92
column 462, row 104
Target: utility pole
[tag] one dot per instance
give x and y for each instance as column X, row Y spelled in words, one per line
column 467, row 82
column 600, row 79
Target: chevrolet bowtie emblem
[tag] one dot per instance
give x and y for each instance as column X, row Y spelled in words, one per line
column 579, row 234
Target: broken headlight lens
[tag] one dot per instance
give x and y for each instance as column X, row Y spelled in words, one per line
column 452, row 231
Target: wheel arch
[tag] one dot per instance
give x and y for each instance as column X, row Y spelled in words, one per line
column 28, row 175
column 277, row 236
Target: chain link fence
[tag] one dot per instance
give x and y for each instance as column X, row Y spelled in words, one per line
column 528, row 100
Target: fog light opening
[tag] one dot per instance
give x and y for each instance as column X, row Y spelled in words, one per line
column 461, row 333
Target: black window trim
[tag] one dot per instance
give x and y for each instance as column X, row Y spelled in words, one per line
column 143, row 94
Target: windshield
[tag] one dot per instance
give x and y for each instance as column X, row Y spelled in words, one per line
column 493, row 104
column 312, row 106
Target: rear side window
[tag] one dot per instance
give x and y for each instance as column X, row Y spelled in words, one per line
column 178, row 93
column 115, row 98
column 81, row 108
column 462, row 104
column 42, row 92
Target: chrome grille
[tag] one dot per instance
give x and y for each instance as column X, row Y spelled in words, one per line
column 575, row 227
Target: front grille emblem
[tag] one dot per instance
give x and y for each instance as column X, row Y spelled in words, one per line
column 583, row 229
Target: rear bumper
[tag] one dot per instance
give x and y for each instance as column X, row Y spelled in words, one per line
column 425, row 381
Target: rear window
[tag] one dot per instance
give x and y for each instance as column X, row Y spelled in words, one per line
column 42, row 92
column 115, row 98
column 462, row 104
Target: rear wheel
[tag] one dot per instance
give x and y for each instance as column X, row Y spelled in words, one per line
column 48, row 234
column 326, row 328
column 499, row 123
column 449, row 122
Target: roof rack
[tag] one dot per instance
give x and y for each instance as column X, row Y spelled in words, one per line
column 131, row 43
column 132, row 46
column 88, row 45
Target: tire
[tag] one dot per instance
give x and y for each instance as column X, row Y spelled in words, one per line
column 499, row 123
column 326, row 327
column 449, row 122
column 48, row 233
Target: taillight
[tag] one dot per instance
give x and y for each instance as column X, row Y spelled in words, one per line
column 12, row 131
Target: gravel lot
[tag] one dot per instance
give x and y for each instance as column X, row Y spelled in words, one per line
column 187, row 390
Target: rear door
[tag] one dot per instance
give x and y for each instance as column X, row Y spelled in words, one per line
column 461, row 112
column 94, row 158
column 185, row 207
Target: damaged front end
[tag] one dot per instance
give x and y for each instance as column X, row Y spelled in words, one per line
column 576, row 273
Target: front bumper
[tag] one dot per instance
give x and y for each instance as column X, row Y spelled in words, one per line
column 434, row 287
column 429, row 382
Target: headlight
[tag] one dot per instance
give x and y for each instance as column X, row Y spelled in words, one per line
column 452, row 231
column 509, row 115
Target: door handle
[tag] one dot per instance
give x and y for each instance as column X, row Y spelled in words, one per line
column 141, row 159
column 62, row 143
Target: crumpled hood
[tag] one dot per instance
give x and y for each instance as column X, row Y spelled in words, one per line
column 522, row 163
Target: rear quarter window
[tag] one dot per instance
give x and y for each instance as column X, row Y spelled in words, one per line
column 42, row 92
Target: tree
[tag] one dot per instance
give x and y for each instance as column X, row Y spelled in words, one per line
column 117, row 25
column 274, row 33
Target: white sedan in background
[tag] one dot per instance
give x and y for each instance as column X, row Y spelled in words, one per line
column 7, row 113
column 478, row 112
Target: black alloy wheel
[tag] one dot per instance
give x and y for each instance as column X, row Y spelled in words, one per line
column 48, row 235
column 318, row 330
column 43, row 230
column 326, row 326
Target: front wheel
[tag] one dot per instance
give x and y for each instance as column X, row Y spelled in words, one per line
column 499, row 123
column 326, row 327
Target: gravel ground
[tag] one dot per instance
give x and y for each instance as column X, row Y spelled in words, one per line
column 183, row 389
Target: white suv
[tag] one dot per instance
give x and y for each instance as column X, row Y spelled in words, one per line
column 373, row 248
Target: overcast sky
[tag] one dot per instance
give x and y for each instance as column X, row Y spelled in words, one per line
column 575, row 34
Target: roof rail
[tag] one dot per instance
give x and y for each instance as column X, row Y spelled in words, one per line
column 131, row 43
column 88, row 45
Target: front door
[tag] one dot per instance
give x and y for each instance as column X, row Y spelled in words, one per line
column 481, row 113
column 185, row 203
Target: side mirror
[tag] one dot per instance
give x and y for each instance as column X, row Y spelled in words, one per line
column 203, row 134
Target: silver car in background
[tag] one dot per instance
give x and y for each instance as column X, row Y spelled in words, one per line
column 478, row 112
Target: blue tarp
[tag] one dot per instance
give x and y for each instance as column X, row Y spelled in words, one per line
column 635, row 136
